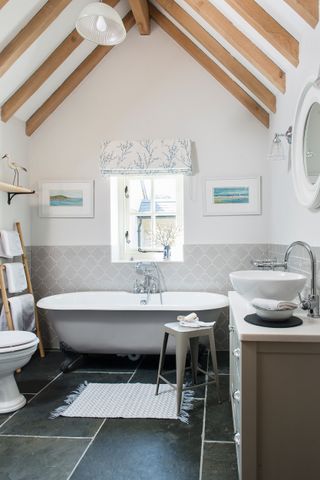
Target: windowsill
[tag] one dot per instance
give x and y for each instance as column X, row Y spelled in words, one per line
column 134, row 257
column 136, row 260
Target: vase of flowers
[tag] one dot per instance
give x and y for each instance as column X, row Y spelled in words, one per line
column 166, row 252
column 166, row 236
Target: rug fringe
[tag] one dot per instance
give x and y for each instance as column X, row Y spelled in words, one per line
column 187, row 405
column 68, row 401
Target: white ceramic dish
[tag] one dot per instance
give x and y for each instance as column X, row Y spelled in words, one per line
column 267, row 284
column 276, row 315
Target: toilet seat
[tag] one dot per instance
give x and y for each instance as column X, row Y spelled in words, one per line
column 14, row 340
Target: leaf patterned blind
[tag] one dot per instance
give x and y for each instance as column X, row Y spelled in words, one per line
column 146, row 157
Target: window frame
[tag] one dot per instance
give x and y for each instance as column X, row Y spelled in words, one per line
column 125, row 253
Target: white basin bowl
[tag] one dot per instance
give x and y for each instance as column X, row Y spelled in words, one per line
column 267, row 284
column 276, row 315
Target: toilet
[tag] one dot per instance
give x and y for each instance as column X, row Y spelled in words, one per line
column 16, row 349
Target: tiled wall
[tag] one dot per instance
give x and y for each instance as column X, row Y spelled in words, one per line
column 205, row 268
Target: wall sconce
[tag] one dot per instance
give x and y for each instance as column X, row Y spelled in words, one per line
column 277, row 150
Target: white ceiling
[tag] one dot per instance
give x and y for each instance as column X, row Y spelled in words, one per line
column 16, row 13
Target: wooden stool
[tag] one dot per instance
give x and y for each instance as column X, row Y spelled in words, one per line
column 184, row 336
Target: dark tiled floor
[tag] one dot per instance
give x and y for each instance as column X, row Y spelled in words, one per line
column 34, row 447
column 219, row 418
column 39, row 458
column 5, row 416
column 219, row 462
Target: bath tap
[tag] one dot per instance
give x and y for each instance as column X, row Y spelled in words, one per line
column 151, row 282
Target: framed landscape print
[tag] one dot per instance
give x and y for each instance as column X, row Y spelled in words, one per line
column 232, row 196
column 67, row 199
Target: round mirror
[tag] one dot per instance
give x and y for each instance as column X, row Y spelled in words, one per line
column 311, row 148
column 306, row 147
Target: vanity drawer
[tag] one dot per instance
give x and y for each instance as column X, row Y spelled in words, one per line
column 236, row 362
column 236, row 405
column 235, row 380
column 237, row 441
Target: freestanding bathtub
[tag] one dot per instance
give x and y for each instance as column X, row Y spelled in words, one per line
column 116, row 322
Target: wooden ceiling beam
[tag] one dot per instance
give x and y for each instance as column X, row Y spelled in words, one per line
column 3, row 2
column 239, row 41
column 140, row 10
column 57, row 57
column 37, row 25
column 268, row 27
column 220, row 53
column 210, row 65
column 307, row 9
column 68, row 86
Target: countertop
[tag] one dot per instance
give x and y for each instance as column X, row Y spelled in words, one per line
column 309, row 331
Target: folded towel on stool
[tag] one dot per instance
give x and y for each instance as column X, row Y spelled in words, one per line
column 192, row 320
column 188, row 318
column 10, row 245
column 16, row 277
column 269, row 304
column 196, row 324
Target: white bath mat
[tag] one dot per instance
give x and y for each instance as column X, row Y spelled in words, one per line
column 124, row 400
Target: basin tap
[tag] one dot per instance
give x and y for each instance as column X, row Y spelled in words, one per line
column 310, row 303
column 267, row 264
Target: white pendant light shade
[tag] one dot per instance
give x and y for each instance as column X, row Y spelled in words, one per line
column 101, row 24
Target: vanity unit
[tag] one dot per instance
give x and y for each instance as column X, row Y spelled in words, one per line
column 275, row 396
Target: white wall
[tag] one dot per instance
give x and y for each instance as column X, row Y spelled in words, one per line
column 14, row 142
column 149, row 87
column 290, row 221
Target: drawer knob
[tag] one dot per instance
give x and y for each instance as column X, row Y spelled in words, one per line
column 236, row 352
column 237, row 439
column 236, row 395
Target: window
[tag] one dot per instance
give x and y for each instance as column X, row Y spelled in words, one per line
column 146, row 215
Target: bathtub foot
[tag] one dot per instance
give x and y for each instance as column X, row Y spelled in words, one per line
column 72, row 361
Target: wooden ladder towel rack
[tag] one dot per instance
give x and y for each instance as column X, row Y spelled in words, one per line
column 29, row 289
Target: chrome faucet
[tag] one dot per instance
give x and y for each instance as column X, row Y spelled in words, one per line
column 310, row 303
column 151, row 282
column 267, row 264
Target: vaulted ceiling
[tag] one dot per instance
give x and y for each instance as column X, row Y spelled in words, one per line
column 248, row 46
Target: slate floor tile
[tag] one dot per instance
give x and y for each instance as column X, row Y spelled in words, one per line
column 219, row 462
column 219, row 424
column 223, row 362
column 5, row 416
column 33, row 419
column 144, row 449
column 39, row 458
column 39, row 372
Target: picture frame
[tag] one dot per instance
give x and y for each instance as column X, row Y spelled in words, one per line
column 66, row 199
column 232, row 196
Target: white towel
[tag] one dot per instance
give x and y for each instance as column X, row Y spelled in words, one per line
column 3, row 320
column 10, row 245
column 16, row 277
column 22, row 312
column 196, row 324
column 187, row 318
column 269, row 304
